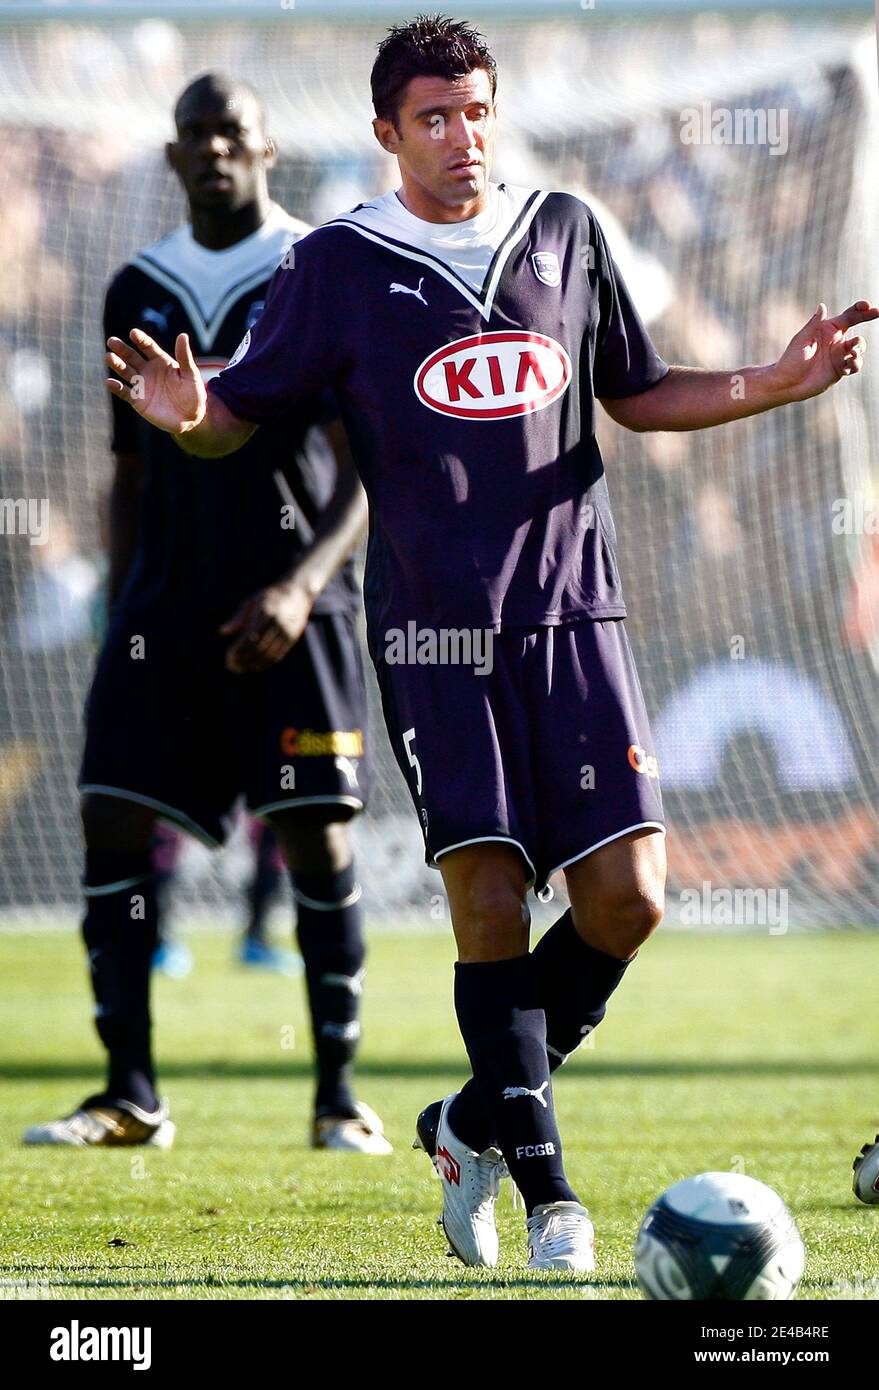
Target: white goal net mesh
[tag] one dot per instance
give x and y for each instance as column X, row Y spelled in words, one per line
column 749, row 554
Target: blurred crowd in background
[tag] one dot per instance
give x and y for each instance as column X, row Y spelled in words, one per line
column 726, row 548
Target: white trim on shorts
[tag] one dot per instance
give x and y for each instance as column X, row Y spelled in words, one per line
column 485, row 839
column 340, row 800
column 642, row 825
column 104, row 889
column 179, row 818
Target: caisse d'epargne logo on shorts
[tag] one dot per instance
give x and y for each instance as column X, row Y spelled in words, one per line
column 493, row 376
column 318, row 743
column 642, row 761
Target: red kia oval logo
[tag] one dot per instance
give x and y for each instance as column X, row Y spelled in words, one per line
column 492, row 376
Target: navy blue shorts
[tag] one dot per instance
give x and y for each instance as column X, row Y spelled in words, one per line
column 550, row 750
column 174, row 730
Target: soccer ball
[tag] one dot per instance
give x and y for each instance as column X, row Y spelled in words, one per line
column 719, row 1236
column 865, row 1183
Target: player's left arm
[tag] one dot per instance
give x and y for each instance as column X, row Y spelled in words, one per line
column 687, row 398
column 269, row 624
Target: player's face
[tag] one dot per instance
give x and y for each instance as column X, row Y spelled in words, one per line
column 221, row 152
column 444, row 139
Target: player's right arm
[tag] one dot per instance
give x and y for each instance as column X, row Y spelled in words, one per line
column 169, row 393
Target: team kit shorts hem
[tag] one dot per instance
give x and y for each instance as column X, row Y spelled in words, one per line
column 177, row 732
column 549, row 751
column 433, row 862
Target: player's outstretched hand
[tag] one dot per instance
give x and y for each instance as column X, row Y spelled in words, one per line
column 266, row 627
column 169, row 394
column 821, row 354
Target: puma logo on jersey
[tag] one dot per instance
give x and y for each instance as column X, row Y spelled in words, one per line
column 511, row 1092
column 159, row 317
column 397, row 288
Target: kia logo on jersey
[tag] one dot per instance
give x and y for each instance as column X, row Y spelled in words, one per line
column 493, row 376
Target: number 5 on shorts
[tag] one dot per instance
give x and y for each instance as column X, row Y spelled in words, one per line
column 408, row 740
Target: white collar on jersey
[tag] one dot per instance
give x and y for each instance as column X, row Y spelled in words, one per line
column 471, row 255
column 206, row 282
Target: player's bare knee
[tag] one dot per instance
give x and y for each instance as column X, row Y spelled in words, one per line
column 312, row 844
column 491, row 922
column 632, row 921
column 619, row 922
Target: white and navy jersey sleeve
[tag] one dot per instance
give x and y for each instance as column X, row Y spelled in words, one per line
column 290, row 356
column 625, row 360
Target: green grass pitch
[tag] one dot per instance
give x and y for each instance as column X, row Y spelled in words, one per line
column 749, row 1052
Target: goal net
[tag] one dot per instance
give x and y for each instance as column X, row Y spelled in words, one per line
column 731, row 159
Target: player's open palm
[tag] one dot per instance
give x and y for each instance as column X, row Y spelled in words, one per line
column 821, row 353
column 168, row 393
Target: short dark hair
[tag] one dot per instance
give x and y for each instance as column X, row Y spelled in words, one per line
column 220, row 86
column 428, row 46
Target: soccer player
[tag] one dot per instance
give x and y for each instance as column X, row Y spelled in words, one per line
column 231, row 663
column 469, row 328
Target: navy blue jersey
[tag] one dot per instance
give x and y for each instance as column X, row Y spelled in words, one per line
column 467, row 359
column 212, row 532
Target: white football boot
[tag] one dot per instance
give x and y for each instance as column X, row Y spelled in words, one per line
column 99, row 1125
column 471, row 1183
column 561, row 1236
column 363, row 1135
column 865, row 1184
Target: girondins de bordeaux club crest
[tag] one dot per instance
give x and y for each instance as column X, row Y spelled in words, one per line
column 546, row 267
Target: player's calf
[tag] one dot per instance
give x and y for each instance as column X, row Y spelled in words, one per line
column 120, row 931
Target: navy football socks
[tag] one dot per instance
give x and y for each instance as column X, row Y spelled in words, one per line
column 329, row 930
column 575, row 982
column 504, row 1029
column 120, row 933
